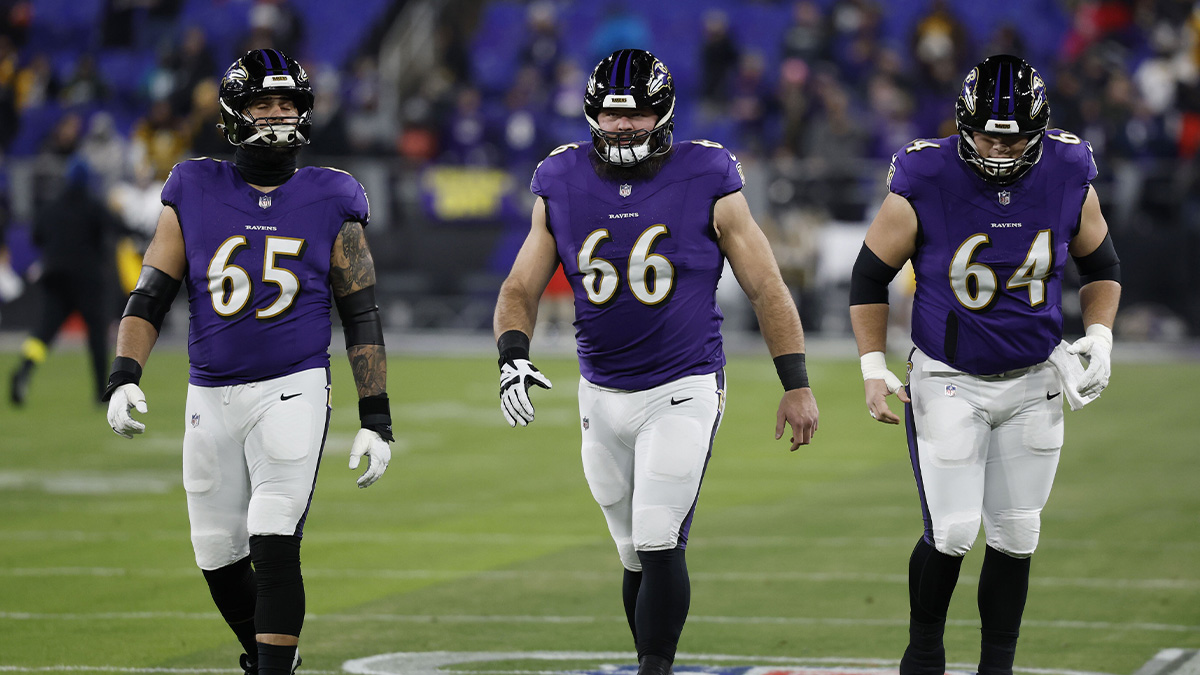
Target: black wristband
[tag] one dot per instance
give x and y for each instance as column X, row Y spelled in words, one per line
column 124, row 371
column 375, row 413
column 513, row 345
column 791, row 370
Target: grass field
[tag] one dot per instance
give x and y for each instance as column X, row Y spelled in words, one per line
column 484, row 538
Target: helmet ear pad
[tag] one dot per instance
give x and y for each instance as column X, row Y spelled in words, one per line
column 1002, row 95
column 631, row 79
column 259, row 73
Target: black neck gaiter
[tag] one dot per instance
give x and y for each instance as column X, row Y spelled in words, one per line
column 267, row 167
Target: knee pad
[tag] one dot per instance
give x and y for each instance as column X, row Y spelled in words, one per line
column 655, row 528
column 629, row 555
column 1014, row 533
column 216, row 550
column 280, row 606
column 956, row 533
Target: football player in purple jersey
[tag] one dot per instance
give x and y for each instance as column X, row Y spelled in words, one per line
column 264, row 250
column 988, row 218
column 642, row 227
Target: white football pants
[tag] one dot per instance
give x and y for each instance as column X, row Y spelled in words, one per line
column 983, row 447
column 250, row 457
column 644, row 455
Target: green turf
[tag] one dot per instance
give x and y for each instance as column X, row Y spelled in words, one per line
column 798, row 555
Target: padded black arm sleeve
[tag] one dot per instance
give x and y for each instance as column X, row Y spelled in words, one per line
column 152, row 298
column 1101, row 264
column 360, row 317
column 870, row 278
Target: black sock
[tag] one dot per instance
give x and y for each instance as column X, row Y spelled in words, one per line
column 234, row 590
column 630, row 585
column 275, row 659
column 662, row 603
column 1003, row 587
column 932, row 576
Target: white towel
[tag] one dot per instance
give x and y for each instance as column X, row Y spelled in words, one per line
column 1070, row 371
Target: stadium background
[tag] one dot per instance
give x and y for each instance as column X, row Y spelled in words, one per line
column 482, row 539
column 442, row 108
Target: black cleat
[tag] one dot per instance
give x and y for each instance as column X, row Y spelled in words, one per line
column 654, row 665
column 251, row 667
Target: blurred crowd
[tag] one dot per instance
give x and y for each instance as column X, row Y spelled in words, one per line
column 814, row 94
column 837, row 86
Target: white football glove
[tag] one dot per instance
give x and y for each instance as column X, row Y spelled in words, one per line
column 515, row 379
column 874, row 367
column 377, row 451
column 1096, row 347
column 124, row 398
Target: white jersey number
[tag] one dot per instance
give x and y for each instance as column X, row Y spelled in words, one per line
column 230, row 288
column 651, row 276
column 975, row 284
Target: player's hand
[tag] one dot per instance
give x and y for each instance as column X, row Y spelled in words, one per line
column 377, row 451
column 878, row 383
column 1096, row 347
column 798, row 407
column 515, row 379
column 124, row 398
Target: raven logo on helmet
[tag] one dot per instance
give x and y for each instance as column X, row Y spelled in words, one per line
column 968, row 90
column 1039, row 95
column 660, row 78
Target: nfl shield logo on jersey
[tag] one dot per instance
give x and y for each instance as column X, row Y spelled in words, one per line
column 264, row 202
column 1005, row 196
column 626, row 190
column 951, row 390
column 586, row 423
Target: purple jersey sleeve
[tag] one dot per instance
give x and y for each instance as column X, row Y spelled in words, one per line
column 910, row 165
column 356, row 206
column 557, row 165
column 732, row 178
column 172, row 191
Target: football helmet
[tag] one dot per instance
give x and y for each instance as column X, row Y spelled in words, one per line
column 1002, row 96
column 630, row 79
column 265, row 72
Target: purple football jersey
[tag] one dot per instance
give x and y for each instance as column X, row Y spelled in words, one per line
column 989, row 261
column 643, row 262
column 258, row 267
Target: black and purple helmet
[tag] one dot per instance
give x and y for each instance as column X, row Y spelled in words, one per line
column 258, row 73
column 1002, row 96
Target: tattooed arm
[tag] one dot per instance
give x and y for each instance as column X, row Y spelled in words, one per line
column 352, row 277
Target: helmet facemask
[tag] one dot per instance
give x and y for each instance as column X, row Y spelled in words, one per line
column 999, row 170
column 269, row 132
column 629, row 148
